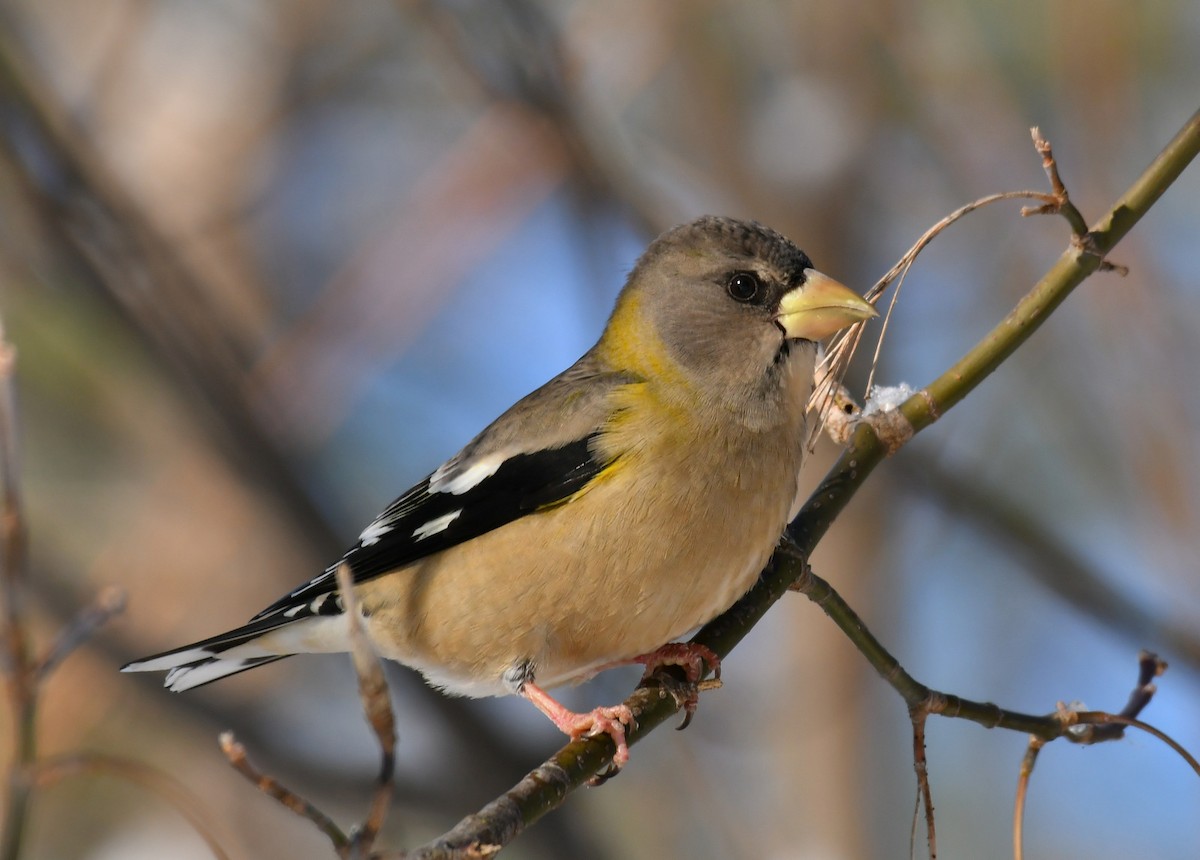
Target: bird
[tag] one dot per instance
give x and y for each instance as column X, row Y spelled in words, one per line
column 629, row 500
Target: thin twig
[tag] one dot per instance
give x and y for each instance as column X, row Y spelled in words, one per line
column 109, row 602
column 1060, row 203
column 845, row 343
column 1105, row 719
column 268, row 785
column 1057, row 202
column 377, row 706
column 1027, row 764
column 1098, row 727
column 919, row 717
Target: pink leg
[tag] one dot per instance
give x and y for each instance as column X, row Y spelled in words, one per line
column 609, row 721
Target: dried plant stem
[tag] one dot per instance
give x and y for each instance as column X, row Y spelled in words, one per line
column 377, row 706
column 920, row 717
column 1027, row 763
column 236, row 753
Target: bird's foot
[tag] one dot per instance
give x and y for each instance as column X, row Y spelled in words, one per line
column 609, row 720
column 693, row 658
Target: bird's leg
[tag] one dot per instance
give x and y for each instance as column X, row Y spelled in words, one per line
column 609, row 721
column 693, row 658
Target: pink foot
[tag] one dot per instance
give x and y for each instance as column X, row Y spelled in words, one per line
column 609, row 721
column 693, row 659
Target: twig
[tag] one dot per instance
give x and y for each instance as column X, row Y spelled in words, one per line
column 50, row 771
column 1092, row 727
column 377, row 706
column 109, row 602
column 24, row 674
column 1060, row 202
column 1027, row 764
column 919, row 717
column 1057, row 202
column 1150, row 666
column 236, row 753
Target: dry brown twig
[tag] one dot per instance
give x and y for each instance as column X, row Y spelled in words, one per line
column 828, row 394
column 919, row 717
column 236, row 753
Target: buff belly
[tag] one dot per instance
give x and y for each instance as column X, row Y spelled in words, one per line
column 565, row 593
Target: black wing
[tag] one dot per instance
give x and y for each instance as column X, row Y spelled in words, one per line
column 426, row 520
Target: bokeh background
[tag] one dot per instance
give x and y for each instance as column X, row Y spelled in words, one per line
column 267, row 263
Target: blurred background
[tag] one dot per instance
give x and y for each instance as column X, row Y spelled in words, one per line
column 268, row 263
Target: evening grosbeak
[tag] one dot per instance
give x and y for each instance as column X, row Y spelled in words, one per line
column 627, row 501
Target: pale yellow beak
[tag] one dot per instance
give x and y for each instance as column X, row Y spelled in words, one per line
column 821, row 307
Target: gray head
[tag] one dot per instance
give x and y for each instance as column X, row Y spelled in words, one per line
column 727, row 311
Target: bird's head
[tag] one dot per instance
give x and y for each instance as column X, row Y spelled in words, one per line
column 728, row 310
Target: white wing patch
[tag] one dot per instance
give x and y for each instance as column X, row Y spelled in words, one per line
column 377, row 529
column 447, row 478
column 438, row 524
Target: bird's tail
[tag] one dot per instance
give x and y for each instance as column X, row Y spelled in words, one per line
column 206, row 661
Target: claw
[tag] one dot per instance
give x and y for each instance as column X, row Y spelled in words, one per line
column 694, row 659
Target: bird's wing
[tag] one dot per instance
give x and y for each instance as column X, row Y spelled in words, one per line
column 535, row 456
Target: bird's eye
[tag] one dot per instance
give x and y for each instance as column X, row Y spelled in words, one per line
column 743, row 287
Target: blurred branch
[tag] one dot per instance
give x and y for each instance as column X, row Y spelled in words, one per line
column 24, row 673
column 547, row 787
column 50, row 771
column 524, row 46
column 109, row 602
column 111, row 244
column 1045, row 557
column 19, row 664
column 532, row 135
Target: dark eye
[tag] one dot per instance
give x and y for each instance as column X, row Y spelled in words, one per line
column 743, row 287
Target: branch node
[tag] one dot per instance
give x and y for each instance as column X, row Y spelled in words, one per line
column 882, row 413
